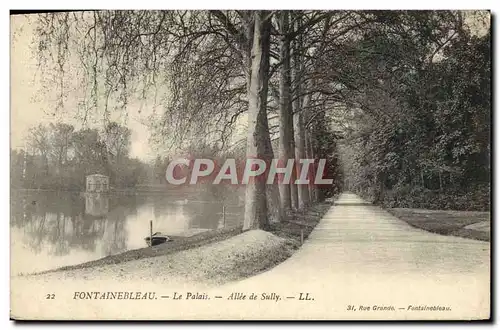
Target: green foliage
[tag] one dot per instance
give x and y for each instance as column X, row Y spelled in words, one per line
column 422, row 138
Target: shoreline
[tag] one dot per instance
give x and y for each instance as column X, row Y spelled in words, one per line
column 178, row 243
column 297, row 225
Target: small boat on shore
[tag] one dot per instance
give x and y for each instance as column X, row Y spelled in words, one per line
column 157, row 238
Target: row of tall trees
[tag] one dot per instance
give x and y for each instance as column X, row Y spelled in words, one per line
column 56, row 156
column 290, row 76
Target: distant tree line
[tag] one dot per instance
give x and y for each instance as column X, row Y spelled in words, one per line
column 56, row 156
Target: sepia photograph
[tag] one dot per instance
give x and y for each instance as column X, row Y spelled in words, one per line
column 241, row 165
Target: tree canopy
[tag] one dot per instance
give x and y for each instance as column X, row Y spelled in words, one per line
column 400, row 98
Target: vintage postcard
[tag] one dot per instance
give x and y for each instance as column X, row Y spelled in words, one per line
column 250, row 165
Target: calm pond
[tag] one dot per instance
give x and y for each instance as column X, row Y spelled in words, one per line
column 54, row 229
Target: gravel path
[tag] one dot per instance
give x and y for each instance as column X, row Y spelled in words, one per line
column 360, row 255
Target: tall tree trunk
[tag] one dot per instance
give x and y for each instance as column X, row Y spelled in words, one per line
column 298, row 121
column 255, row 196
column 312, row 169
column 285, row 131
column 293, row 187
column 275, row 212
column 291, row 106
column 300, row 153
column 308, row 136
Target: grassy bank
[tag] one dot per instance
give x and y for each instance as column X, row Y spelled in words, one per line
column 445, row 222
column 297, row 225
column 177, row 244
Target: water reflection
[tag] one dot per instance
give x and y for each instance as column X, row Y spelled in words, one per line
column 96, row 204
column 51, row 229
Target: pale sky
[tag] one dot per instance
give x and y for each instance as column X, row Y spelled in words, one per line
column 29, row 106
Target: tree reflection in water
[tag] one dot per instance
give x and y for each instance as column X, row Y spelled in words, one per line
column 62, row 227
